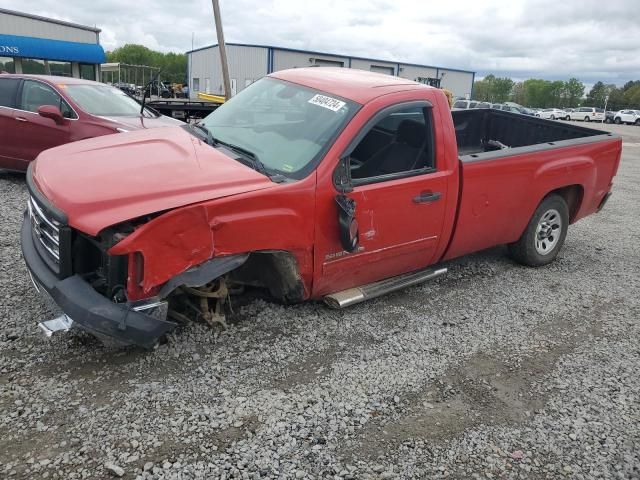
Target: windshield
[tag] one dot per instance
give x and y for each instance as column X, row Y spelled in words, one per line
column 103, row 100
column 286, row 126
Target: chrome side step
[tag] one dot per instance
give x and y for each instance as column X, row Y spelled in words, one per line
column 59, row 324
column 355, row 295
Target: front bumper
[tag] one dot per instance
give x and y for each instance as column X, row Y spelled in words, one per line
column 88, row 309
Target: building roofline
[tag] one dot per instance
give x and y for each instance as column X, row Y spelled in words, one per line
column 313, row 52
column 50, row 20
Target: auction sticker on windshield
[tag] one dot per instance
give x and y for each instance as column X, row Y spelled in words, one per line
column 327, row 102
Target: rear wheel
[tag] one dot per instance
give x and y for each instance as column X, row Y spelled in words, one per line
column 545, row 234
column 553, row 117
column 637, row 122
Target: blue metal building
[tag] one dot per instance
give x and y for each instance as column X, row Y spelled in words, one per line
column 39, row 45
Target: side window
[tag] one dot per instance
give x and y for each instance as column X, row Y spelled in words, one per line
column 67, row 111
column 36, row 94
column 399, row 143
column 8, row 90
column 460, row 104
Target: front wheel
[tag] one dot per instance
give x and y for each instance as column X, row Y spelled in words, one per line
column 587, row 119
column 544, row 236
column 637, row 122
column 567, row 118
column 617, row 121
column 553, row 117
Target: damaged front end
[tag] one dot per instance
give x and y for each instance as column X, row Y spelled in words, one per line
column 75, row 272
column 79, row 277
column 134, row 282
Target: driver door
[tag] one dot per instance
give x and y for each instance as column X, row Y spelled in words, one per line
column 400, row 197
column 34, row 133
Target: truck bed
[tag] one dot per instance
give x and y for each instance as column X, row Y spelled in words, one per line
column 487, row 133
column 510, row 162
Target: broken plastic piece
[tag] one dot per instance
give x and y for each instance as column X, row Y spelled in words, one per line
column 59, row 324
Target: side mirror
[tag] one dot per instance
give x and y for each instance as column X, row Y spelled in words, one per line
column 52, row 112
column 347, row 223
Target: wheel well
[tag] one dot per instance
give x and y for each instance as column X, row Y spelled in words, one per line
column 275, row 271
column 572, row 194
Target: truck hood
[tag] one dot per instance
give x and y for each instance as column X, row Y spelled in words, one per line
column 139, row 122
column 106, row 180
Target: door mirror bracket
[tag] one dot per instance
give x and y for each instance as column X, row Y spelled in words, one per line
column 342, row 176
column 347, row 223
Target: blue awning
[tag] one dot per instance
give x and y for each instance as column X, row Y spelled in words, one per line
column 45, row 49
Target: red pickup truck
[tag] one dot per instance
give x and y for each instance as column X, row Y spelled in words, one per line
column 314, row 183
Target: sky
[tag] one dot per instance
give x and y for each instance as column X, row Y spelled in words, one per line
column 552, row 39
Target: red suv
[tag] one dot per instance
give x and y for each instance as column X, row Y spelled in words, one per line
column 39, row 112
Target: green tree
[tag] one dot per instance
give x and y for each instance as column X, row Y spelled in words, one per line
column 519, row 94
column 632, row 96
column 574, row 91
column 629, row 84
column 616, row 99
column 173, row 65
column 483, row 89
column 480, row 91
column 492, row 89
column 502, row 89
column 596, row 97
column 555, row 93
column 535, row 92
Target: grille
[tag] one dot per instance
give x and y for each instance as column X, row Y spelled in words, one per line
column 46, row 232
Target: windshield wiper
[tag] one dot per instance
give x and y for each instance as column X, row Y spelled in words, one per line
column 256, row 162
column 210, row 138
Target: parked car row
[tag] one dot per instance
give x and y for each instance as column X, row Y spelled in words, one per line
column 507, row 106
column 587, row 114
column 583, row 114
column 591, row 114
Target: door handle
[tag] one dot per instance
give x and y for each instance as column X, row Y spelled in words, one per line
column 21, row 119
column 427, row 196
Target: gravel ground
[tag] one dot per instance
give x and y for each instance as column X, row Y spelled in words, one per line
column 493, row 371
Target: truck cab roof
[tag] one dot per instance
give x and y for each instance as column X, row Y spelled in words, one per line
column 359, row 86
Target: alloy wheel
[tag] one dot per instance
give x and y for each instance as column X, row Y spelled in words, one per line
column 548, row 231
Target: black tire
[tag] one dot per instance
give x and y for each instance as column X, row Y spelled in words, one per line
column 587, row 119
column 617, row 121
column 524, row 251
column 553, row 117
column 567, row 118
column 637, row 122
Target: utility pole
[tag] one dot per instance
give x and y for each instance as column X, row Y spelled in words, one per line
column 222, row 49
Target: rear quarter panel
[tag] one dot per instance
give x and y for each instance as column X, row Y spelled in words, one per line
column 500, row 195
